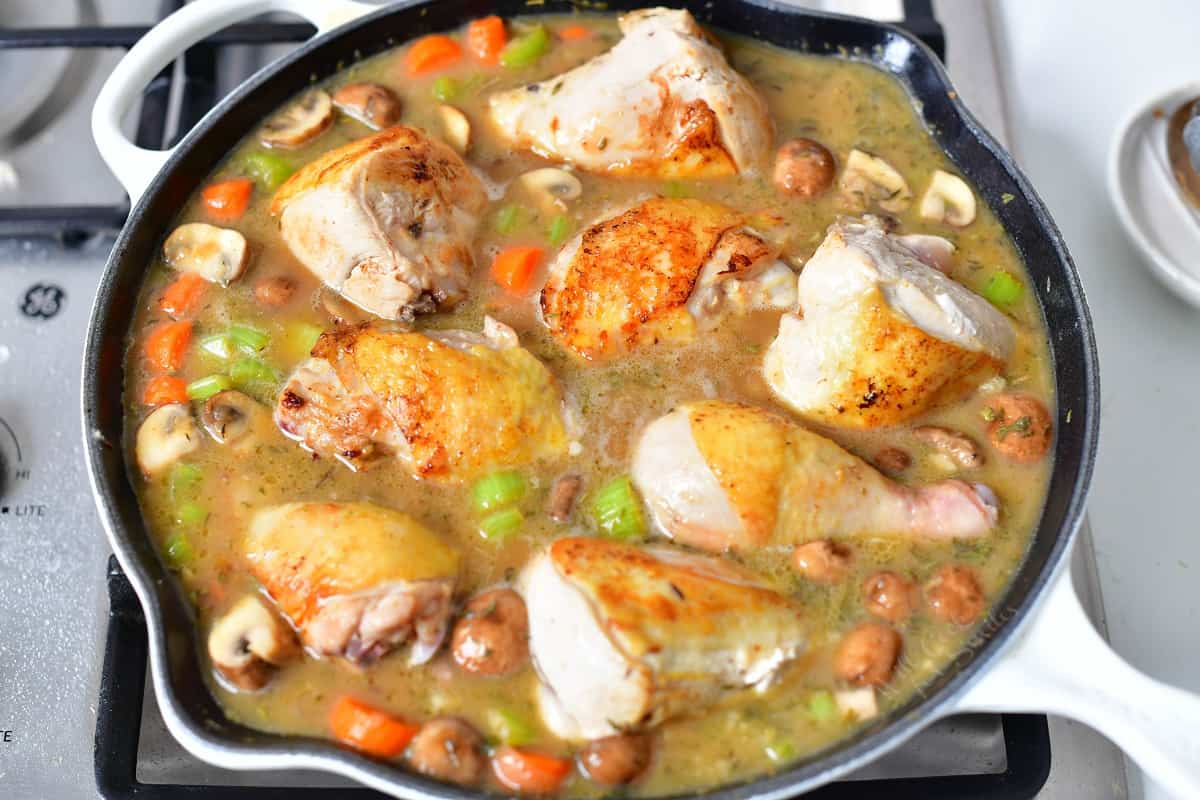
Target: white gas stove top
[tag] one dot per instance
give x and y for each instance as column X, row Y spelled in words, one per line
column 53, row 556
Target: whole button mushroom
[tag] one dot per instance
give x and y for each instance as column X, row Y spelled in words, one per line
column 166, row 436
column 1018, row 426
column 954, row 594
column 492, row 638
column 888, row 596
column 867, row 655
column 448, row 749
column 299, row 122
column 615, row 760
column 821, row 561
column 804, row 168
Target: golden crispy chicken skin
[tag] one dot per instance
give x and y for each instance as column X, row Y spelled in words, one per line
column 662, row 103
column 657, row 272
column 881, row 335
column 724, row 476
column 356, row 580
column 387, row 220
column 449, row 405
column 625, row 637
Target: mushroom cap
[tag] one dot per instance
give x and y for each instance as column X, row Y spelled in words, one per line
column 166, row 436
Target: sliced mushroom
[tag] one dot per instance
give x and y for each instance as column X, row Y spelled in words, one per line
column 216, row 254
column 948, row 199
column 232, row 418
column 249, row 643
column 274, row 291
column 869, row 181
column 167, row 435
column 455, row 127
column 299, row 122
column 369, row 103
column 859, row 703
column 961, row 449
column 552, row 187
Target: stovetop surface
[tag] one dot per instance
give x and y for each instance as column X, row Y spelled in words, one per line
column 53, row 599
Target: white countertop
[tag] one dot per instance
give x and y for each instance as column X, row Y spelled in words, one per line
column 1072, row 71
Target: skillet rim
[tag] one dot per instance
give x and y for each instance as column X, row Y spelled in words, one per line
column 194, row 719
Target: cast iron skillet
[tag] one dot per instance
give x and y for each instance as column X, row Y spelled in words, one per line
column 1021, row 679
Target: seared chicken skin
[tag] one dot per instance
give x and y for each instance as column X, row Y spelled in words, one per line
column 625, row 637
column 724, row 476
column 881, row 336
column 356, row 580
column 662, row 103
column 448, row 404
column 657, row 272
column 388, row 221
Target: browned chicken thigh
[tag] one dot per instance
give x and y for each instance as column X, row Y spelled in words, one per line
column 356, row 580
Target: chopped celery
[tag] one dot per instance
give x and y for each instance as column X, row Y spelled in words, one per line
column 507, row 219
column 780, row 751
column 445, row 89
column 250, row 372
column 821, row 706
column 191, row 514
column 178, row 550
column 219, row 345
column 1003, row 289
column 510, row 727
column 526, row 49
column 617, row 510
column 268, row 168
column 501, row 525
column 497, row 490
column 248, row 339
column 206, row 387
column 183, row 481
column 560, row 229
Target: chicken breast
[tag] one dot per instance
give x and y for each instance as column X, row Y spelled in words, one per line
column 448, row 405
column 658, row 272
column 388, row 221
column 355, row 580
column 881, row 336
column 662, row 103
column 625, row 637
column 723, row 476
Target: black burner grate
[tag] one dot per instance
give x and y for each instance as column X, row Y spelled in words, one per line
column 122, row 685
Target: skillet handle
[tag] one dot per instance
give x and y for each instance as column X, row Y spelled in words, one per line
column 1059, row 664
column 135, row 166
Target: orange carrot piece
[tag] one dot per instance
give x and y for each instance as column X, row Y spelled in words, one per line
column 573, row 33
column 368, row 729
column 486, row 38
column 529, row 772
column 167, row 345
column 514, row 267
column 227, row 200
column 180, row 298
column 164, row 390
column 432, row 53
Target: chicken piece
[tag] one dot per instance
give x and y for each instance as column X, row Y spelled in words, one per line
column 724, row 476
column 881, row 336
column 656, row 273
column 625, row 637
column 662, row 103
column 388, row 221
column 356, row 580
column 448, row 404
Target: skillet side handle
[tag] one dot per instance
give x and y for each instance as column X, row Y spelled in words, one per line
column 135, row 166
column 1059, row 664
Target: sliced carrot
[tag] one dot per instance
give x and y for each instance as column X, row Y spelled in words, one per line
column 432, row 53
column 366, row 728
column 486, row 38
column 164, row 390
column 227, row 200
column 167, row 345
column 514, row 267
column 529, row 772
column 573, row 33
column 180, row 298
